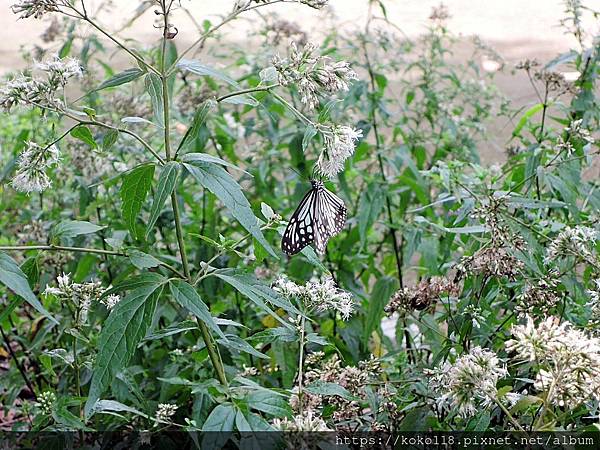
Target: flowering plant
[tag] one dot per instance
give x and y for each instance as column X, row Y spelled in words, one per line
column 143, row 208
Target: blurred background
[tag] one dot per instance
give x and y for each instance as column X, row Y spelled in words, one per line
column 515, row 29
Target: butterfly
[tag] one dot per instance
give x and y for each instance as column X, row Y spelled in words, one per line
column 319, row 216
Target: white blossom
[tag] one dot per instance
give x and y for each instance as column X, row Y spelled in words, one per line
column 568, row 360
column 81, row 294
column 321, row 295
column 33, row 163
column 572, row 241
column 468, row 383
column 34, row 8
column 340, row 143
column 312, row 73
column 165, row 412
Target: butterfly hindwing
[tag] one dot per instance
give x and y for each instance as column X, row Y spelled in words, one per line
column 320, row 215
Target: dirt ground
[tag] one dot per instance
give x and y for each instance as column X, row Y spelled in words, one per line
column 517, row 29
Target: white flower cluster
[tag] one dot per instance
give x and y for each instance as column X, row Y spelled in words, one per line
column 309, row 421
column 82, row 295
column 165, row 412
column 576, row 130
column 568, row 360
column 312, row 74
column 470, row 382
column 32, row 167
column 572, row 241
column 27, row 90
column 320, row 295
column 46, row 401
column 340, row 142
column 594, row 303
column 34, row 8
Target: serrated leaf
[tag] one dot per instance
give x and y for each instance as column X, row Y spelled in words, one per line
column 219, row 182
column 166, row 185
column 134, row 190
column 121, row 78
column 70, row 228
column 15, row 280
column 154, row 88
column 125, row 327
column 186, row 296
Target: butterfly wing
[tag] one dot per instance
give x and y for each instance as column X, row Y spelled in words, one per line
column 300, row 231
column 330, row 218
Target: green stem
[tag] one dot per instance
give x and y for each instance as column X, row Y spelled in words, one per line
column 247, row 91
column 301, row 362
column 206, row 336
column 508, row 414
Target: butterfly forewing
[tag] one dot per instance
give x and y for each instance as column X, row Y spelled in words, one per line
column 320, row 215
column 300, row 230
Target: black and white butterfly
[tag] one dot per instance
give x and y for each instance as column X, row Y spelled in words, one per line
column 320, row 215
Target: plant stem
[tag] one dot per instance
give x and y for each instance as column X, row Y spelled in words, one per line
column 301, row 362
column 206, row 336
column 508, row 414
column 247, row 91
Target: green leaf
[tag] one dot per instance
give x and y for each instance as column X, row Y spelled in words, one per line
column 109, row 139
column 112, row 406
column 142, row 260
column 154, row 88
column 180, row 327
column 382, row 291
column 194, row 158
column 269, row 402
column 309, row 133
column 124, row 77
column 203, row 70
column 221, row 419
column 369, row 207
column 259, row 293
column 528, row 114
column 15, row 280
column 220, row 183
column 134, row 190
column 193, row 131
column 186, row 296
column 166, row 185
column 71, row 228
column 84, row 134
column 238, row 344
column 327, row 389
column 125, row 327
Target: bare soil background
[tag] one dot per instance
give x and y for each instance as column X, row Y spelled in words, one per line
column 517, row 29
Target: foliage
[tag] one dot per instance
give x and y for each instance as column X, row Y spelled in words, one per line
column 140, row 270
